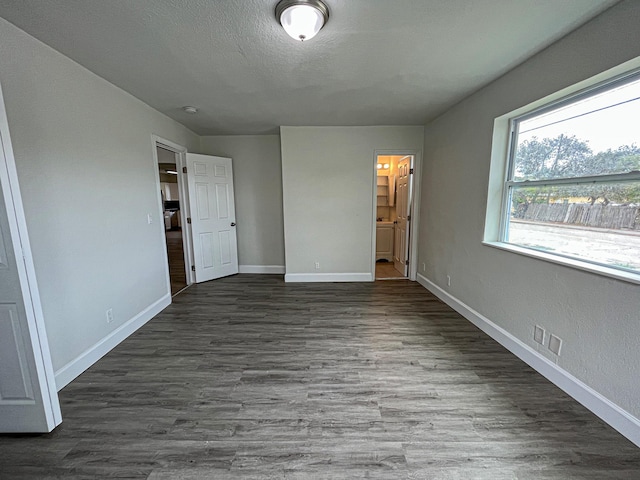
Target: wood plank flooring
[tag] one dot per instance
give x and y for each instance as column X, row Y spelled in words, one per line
column 175, row 256
column 251, row 378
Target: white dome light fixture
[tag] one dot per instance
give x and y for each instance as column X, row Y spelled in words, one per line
column 302, row 19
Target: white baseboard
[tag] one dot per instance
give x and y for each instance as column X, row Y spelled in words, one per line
column 75, row 367
column 328, row 277
column 266, row 269
column 617, row 417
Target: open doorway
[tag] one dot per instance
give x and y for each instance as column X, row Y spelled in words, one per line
column 394, row 200
column 172, row 217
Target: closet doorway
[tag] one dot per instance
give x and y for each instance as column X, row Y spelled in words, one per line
column 394, row 202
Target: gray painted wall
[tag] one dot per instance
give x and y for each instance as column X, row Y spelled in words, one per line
column 165, row 156
column 257, row 172
column 328, row 177
column 92, row 245
column 85, row 164
column 597, row 317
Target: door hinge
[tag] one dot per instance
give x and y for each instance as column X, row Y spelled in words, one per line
column 184, row 169
column 406, row 262
column 408, row 218
column 411, row 171
column 193, row 268
column 188, row 219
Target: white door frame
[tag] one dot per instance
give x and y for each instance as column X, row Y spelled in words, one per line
column 185, row 210
column 414, row 208
column 27, row 274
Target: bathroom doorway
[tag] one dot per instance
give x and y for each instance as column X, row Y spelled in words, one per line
column 393, row 225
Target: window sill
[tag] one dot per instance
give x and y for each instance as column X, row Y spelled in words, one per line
column 625, row 276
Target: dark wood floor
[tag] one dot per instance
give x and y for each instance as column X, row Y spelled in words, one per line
column 175, row 255
column 247, row 377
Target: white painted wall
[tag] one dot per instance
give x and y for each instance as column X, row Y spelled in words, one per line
column 328, row 175
column 165, row 156
column 85, row 164
column 598, row 318
column 257, row 172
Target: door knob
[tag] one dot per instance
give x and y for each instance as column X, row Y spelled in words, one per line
column 233, row 224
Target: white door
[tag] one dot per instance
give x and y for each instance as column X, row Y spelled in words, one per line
column 402, row 221
column 213, row 216
column 28, row 395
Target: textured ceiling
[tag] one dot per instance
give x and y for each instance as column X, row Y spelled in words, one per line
column 376, row 62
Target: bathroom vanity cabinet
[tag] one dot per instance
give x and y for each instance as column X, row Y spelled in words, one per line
column 384, row 240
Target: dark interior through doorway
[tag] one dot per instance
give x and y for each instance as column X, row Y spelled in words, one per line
column 169, row 191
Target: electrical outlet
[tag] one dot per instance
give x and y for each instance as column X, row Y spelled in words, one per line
column 539, row 334
column 109, row 315
column 149, row 219
column 317, row 265
column 555, row 344
column 448, row 280
column 424, row 267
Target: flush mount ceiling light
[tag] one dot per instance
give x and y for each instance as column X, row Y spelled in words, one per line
column 302, row 19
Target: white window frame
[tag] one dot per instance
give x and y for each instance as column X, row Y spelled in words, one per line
column 501, row 183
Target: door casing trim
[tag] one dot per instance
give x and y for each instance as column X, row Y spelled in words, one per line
column 185, row 210
column 414, row 208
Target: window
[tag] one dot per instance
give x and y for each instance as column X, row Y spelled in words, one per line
column 572, row 187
